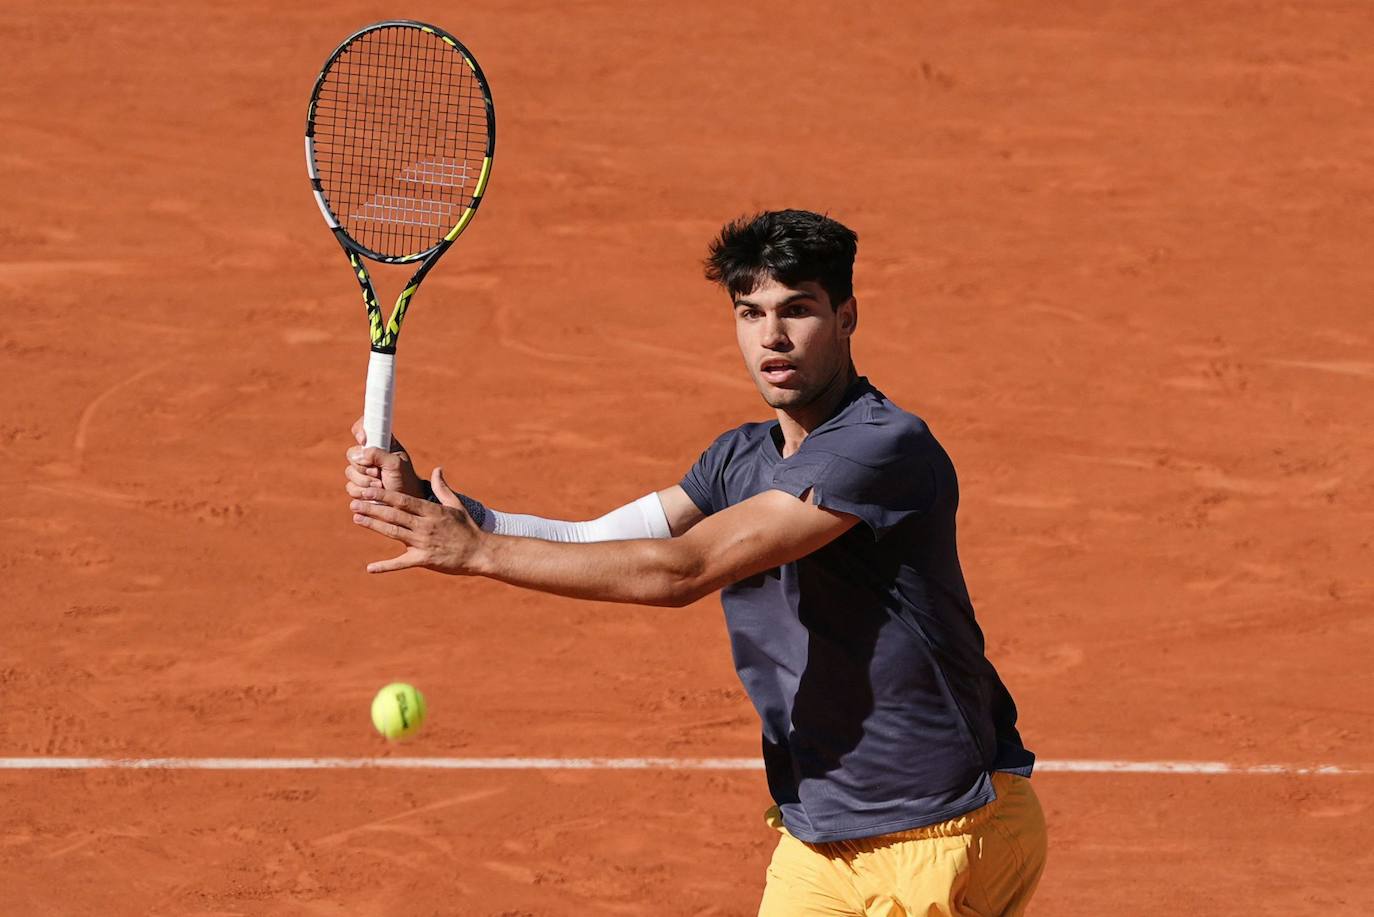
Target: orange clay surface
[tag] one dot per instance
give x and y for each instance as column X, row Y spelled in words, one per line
column 1117, row 254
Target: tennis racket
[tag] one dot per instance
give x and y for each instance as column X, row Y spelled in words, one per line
column 399, row 139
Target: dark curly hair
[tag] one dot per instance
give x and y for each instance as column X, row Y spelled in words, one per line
column 790, row 246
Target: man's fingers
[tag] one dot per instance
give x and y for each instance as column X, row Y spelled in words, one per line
column 411, row 558
column 362, row 477
column 414, row 505
column 381, row 527
column 383, row 512
column 372, row 457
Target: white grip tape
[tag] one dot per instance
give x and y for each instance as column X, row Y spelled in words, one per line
column 381, row 392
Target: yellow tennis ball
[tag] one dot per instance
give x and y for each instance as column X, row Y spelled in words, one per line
column 398, row 711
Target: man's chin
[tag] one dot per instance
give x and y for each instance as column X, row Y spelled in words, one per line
column 782, row 398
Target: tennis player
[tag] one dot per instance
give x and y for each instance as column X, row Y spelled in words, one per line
column 899, row 780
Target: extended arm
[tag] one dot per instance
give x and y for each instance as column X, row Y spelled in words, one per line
column 661, row 515
column 765, row 531
column 656, row 515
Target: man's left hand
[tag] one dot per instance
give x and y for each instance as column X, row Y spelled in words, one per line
column 439, row 537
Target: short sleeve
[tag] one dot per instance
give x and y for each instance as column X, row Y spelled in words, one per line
column 704, row 482
column 883, row 477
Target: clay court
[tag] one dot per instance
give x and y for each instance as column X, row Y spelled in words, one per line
column 1117, row 255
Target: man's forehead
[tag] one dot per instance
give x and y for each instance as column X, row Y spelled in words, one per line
column 770, row 291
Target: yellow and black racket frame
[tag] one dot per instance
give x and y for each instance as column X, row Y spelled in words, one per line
column 384, row 334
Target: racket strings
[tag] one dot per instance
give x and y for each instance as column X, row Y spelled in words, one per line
column 400, row 136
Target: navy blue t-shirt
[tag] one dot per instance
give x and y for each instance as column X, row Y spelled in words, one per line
column 880, row 710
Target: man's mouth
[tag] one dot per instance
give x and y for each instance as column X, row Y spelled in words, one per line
column 776, row 371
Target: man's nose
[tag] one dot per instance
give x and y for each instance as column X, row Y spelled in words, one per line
column 775, row 335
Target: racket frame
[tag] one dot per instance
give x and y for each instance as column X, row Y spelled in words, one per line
column 381, row 367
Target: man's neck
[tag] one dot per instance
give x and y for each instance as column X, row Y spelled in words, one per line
column 796, row 424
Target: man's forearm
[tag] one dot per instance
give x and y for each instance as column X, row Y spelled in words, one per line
column 643, row 518
column 642, row 571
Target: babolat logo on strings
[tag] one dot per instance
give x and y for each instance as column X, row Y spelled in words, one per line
column 443, row 173
column 414, row 211
column 418, row 211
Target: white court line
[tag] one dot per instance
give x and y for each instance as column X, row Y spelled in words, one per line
column 1190, row 767
column 627, row 764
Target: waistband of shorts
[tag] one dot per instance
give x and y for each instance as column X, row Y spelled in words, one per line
column 1004, row 783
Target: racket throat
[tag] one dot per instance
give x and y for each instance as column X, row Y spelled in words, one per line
column 398, row 314
column 383, row 333
column 384, row 336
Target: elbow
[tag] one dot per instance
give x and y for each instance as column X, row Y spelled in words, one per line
column 681, row 595
column 675, row 591
column 684, row 579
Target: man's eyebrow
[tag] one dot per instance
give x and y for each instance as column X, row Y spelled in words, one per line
column 795, row 297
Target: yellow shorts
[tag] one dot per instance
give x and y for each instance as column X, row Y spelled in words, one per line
column 985, row 863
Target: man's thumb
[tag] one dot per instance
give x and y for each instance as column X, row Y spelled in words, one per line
column 441, row 489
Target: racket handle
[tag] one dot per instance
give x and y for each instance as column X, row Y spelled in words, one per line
column 381, row 392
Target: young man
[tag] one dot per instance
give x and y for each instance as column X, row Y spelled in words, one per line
column 889, row 741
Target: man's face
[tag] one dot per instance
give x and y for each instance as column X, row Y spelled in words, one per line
column 793, row 342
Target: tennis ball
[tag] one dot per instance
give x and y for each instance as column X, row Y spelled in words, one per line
column 398, row 711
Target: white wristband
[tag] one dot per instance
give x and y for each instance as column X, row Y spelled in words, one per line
column 644, row 518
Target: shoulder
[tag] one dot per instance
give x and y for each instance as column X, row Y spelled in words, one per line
column 722, row 475
column 872, row 430
column 874, row 461
column 742, row 438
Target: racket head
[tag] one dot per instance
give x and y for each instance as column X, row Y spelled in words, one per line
column 399, row 139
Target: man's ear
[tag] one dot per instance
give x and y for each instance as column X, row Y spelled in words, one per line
column 848, row 315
